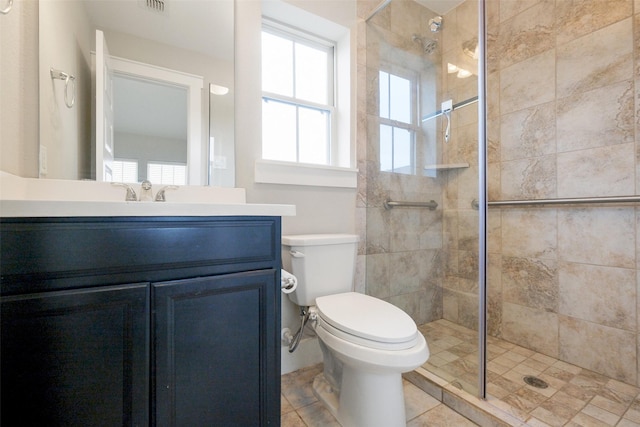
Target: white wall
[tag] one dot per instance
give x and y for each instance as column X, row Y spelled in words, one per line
column 19, row 90
column 65, row 132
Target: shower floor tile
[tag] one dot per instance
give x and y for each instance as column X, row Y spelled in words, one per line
column 573, row 397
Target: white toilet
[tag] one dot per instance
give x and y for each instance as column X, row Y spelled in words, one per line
column 366, row 343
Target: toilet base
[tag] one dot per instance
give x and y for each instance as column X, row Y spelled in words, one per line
column 365, row 400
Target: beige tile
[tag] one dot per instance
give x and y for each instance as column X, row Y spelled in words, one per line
column 285, row 406
column 509, row 8
column 530, row 282
column 576, row 18
column 584, row 420
column 530, row 233
column 549, row 417
column 528, row 133
column 581, row 236
column 528, row 83
column 584, row 287
column 297, row 386
column 532, row 178
column 529, row 33
column 563, row 405
column 417, row 401
column 601, row 414
column 616, row 355
column 440, row 416
column 613, row 165
column 292, row 419
column 608, row 405
column 536, row 329
column 595, row 60
column 603, row 116
column 316, row 415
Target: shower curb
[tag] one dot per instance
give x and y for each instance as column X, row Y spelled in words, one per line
column 469, row 406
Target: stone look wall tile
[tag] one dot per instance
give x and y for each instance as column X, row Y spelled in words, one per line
column 575, row 18
column 608, row 170
column 583, row 288
column 528, row 133
column 509, row 8
column 606, row 350
column 528, row 83
column 527, row 34
column 530, row 233
column 601, row 236
column 531, row 328
column 595, row 118
column 530, row 282
column 533, row 178
column 596, row 59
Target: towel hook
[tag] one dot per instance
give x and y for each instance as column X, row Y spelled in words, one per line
column 61, row 75
column 7, row 9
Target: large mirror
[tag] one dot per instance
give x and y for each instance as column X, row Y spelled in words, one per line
column 191, row 38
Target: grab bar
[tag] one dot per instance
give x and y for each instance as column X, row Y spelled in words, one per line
column 389, row 204
column 565, row 201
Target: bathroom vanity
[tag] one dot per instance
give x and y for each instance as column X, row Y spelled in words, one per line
column 151, row 320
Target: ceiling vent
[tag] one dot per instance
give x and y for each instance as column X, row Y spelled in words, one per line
column 158, row 6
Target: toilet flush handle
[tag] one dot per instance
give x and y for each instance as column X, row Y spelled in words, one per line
column 296, row 254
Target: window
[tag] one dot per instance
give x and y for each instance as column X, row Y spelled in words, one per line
column 167, row 173
column 124, row 170
column 397, row 123
column 297, row 96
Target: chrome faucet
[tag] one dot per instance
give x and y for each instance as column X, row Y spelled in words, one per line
column 160, row 194
column 131, row 193
column 146, row 194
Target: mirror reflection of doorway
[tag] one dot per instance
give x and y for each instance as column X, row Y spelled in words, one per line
column 150, row 131
column 145, row 116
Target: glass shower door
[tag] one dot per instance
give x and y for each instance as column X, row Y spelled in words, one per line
column 422, row 176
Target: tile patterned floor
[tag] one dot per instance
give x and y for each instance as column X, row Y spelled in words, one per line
column 300, row 408
column 574, row 397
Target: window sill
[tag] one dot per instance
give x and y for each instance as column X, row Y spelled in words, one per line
column 289, row 173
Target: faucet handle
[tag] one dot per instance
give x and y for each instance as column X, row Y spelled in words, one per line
column 131, row 194
column 160, row 194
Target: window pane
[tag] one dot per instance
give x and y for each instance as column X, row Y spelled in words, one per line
column 386, row 148
column 384, row 94
column 402, row 151
column 167, row 173
column 311, row 74
column 314, row 136
column 278, row 131
column 125, row 171
column 400, row 102
column 277, row 64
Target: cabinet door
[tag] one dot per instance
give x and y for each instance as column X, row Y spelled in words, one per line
column 217, row 353
column 76, row 358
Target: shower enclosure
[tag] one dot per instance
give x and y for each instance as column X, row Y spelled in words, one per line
column 520, row 225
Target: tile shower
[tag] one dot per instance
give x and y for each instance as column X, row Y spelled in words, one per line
column 563, row 121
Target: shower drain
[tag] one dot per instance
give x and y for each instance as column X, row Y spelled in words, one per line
column 535, row 381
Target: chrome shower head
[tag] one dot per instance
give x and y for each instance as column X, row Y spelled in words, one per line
column 428, row 45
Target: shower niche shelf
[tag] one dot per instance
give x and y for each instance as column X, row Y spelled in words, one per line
column 446, row 166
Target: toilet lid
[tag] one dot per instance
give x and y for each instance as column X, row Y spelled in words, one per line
column 367, row 317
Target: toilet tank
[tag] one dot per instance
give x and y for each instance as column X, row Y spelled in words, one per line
column 324, row 264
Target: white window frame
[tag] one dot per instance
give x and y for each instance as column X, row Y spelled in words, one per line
column 414, row 126
column 298, row 36
column 342, row 173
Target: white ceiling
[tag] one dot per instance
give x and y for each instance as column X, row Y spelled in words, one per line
column 204, row 26
column 441, row 7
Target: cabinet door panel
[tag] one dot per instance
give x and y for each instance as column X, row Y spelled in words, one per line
column 214, row 363
column 76, row 358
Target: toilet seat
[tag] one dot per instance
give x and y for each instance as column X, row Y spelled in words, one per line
column 367, row 321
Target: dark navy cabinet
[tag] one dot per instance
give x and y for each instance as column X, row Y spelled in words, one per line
column 140, row 321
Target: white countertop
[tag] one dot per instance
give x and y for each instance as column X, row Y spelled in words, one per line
column 61, row 208
column 29, row 197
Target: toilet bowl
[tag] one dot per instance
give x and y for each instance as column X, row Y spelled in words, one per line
column 366, row 343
